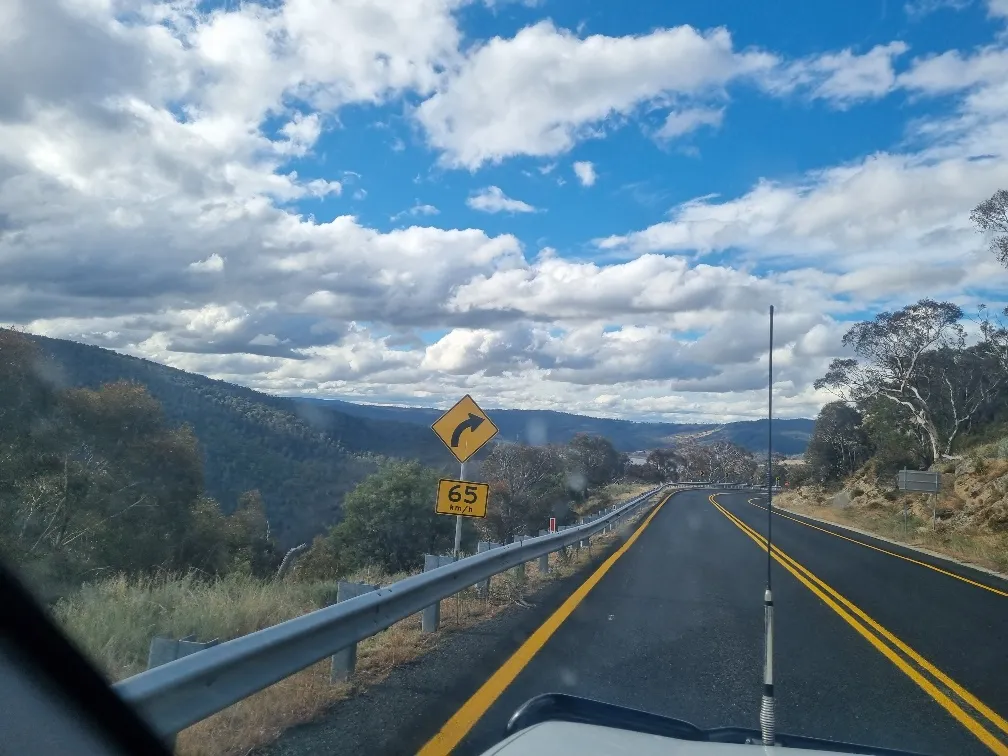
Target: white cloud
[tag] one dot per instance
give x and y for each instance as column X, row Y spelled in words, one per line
column 146, row 190
column 951, row 71
column 841, row 78
column 884, row 229
column 585, row 172
column 997, row 8
column 214, row 263
column 493, row 200
column 417, row 210
column 551, row 88
column 684, row 121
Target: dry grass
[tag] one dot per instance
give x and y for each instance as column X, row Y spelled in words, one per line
column 973, row 545
column 115, row 620
column 611, row 494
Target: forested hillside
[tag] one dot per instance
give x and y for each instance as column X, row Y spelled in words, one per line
column 303, row 459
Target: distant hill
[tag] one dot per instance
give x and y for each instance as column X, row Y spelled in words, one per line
column 304, row 454
column 302, row 458
column 546, row 426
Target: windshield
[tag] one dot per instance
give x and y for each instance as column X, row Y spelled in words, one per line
column 324, row 311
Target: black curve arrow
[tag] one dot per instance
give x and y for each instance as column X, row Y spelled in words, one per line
column 472, row 423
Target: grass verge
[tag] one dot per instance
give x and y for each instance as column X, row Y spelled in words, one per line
column 113, row 623
column 973, row 546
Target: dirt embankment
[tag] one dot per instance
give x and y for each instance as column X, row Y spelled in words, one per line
column 968, row 520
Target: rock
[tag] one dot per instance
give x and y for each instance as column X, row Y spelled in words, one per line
column 966, row 466
column 996, row 516
column 1000, row 484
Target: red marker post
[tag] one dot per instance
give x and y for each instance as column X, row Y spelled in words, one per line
column 552, row 525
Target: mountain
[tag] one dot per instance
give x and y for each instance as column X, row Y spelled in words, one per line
column 542, row 426
column 303, row 455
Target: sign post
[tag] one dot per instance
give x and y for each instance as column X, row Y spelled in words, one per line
column 922, row 482
column 458, row 518
column 464, row 429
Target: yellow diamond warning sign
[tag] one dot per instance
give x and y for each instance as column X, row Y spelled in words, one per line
column 462, row 497
column 464, row 428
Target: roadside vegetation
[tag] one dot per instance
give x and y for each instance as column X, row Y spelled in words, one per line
column 105, row 515
column 925, row 389
column 113, row 621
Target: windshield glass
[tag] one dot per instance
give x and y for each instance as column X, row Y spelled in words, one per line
column 303, row 299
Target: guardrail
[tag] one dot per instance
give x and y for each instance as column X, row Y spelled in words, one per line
column 180, row 693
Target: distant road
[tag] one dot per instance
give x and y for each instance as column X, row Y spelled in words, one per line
column 675, row 627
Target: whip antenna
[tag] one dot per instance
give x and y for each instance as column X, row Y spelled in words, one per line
column 766, row 716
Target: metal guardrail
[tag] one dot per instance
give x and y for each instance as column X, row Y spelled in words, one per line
column 180, row 693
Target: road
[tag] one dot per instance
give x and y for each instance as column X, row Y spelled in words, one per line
column 869, row 647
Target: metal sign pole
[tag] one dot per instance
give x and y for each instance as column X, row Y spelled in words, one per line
column 458, row 520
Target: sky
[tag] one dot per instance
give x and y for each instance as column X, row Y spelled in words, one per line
column 580, row 205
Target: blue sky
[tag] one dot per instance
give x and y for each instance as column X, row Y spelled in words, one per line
column 584, row 206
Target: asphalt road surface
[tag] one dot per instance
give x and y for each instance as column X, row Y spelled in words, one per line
column 870, row 647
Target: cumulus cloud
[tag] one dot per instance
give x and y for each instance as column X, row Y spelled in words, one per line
column 493, row 200
column 585, row 172
column 552, row 88
column 908, row 206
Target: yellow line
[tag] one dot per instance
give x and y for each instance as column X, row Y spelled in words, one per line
column 884, row 551
column 959, row 690
column 809, row 580
column 928, row 666
column 456, row 728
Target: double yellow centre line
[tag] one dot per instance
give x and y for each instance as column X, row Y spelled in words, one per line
column 778, row 513
column 967, row 709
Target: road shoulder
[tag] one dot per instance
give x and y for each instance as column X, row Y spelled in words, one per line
column 399, row 714
column 945, row 561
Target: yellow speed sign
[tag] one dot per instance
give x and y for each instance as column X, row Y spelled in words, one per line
column 462, row 497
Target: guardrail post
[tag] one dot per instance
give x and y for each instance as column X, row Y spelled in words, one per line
column 344, row 661
column 518, row 572
column 584, row 541
column 483, row 587
column 544, row 559
column 163, row 650
column 431, row 617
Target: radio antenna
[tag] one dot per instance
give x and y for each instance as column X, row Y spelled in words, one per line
column 766, row 717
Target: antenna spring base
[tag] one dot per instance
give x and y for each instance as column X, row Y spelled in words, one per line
column 767, row 720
